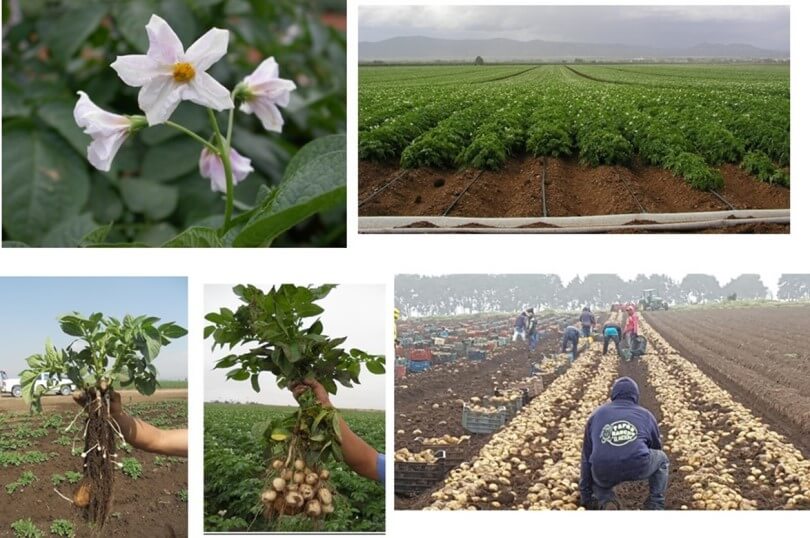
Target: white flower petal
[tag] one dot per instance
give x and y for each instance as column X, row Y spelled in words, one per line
column 278, row 91
column 138, row 69
column 164, row 45
column 208, row 49
column 93, row 118
column 159, row 98
column 240, row 166
column 268, row 114
column 102, row 151
column 267, row 70
column 206, row 91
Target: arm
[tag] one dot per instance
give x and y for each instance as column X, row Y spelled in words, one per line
column 361, row 457
column 144, row 436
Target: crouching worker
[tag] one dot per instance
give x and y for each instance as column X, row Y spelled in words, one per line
column 571, row 335
column 611, row 332
column 622, row 444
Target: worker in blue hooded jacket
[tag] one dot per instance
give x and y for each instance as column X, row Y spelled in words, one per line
column 622, row 444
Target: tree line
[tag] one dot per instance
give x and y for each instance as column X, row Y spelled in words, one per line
column 453, row 294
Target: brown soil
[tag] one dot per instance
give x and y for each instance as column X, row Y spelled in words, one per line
column 571, row 190
column 147, row 507
column 416, row 394
column 56, row 403
column 754, row 353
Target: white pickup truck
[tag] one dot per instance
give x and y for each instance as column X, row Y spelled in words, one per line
column 49, row 385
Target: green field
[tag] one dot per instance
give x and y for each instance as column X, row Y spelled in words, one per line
column 686, row 118
column 235, row 464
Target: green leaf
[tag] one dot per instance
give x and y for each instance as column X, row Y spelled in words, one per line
column 156, row 235
column 226, row 362
column 105, row 203
column 375, row 367
column 67, row 32
column 208, row 331
column 44, row 183
column 70, row 232
column 13, row 100
column 172, row 159
column 99, row 235
column 189, row 115
column 170, row 330
column 317, row 182
column 254, row 381
column 131, row 19
column 154, row 200
column 146, row 386
column 238, row 374
column 197, row 237
column 59, row 115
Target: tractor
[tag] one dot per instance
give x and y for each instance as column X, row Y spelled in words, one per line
column 650, row 300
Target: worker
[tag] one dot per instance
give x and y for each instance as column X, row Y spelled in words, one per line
column 631, row 328
column 521, row 324
column 622, row 444
column 611, row 332
column 531, row 333
column 361, row 457
column 139, row 433
column 571, row 334
column 587, row 320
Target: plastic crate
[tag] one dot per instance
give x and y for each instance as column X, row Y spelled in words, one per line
column 420, row 355
column 418, row 366
column 412, row 478
column 455, row 455
column 443, row 357
column 530, row 388
column 476, row 354
column 475, row 422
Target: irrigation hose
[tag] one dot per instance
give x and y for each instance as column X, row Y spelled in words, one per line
column 381, row 189
column 462, row 194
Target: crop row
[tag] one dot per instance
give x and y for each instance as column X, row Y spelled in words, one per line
column 672, row 121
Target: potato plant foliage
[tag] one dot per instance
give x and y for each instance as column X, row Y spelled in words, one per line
column 106, row 352
column 283, row 343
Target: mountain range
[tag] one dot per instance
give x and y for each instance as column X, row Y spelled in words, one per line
column 428, row 49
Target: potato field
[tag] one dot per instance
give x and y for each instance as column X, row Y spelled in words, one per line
column 40, row 455
column 572, row 140
column 727, row 386
column 235, row 467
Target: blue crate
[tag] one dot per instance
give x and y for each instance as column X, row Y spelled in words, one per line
column 476, row 354
column 418, row 366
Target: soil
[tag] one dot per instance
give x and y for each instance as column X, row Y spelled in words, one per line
column 56, row 403
column 571, row 190
column 754, row 353
column 147, row 507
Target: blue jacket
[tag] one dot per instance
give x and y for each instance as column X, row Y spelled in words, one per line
column 520, row 322
column 618, row 439
column 587, row 318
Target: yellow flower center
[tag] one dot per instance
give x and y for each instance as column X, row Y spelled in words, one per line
column 183, row 72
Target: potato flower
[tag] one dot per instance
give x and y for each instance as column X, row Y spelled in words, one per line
column 108, row 130
column 211, row 167
column 263, row 92
column 167, row 74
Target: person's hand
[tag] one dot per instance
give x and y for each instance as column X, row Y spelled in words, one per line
column 82, row 398
column 317, row 389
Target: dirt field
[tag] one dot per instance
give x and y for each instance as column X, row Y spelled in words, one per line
column 571, row 190
column 153, row 505
column 758, row 354
column 726, row 385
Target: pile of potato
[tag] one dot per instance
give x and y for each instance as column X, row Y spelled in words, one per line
column 445, row 440
column 506, row 397
column 297, row 489
column 773, row 467
column 405, row 455
column 521, row 448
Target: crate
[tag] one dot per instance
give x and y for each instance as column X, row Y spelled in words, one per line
column 400, row 370
column 503, row 341
column 412, row 478
column 443, row 357
column 530, row 388
column 418, row 366
column 420, row 355
column 512, row 407
column 438, row 341
column 482, row 423
column 476, row 354
column 455, row 455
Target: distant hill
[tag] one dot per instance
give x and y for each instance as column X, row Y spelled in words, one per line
column 424, row 49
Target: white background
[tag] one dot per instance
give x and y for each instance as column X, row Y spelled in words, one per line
column 375, row 259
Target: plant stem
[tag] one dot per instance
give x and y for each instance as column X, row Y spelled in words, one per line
column 193, row 135
column 225, row 155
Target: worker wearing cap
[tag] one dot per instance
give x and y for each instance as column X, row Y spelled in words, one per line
column 622, row 444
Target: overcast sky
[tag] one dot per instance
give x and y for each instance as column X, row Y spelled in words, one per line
column 766, row 27
column 29, row 308
column 354, row 311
